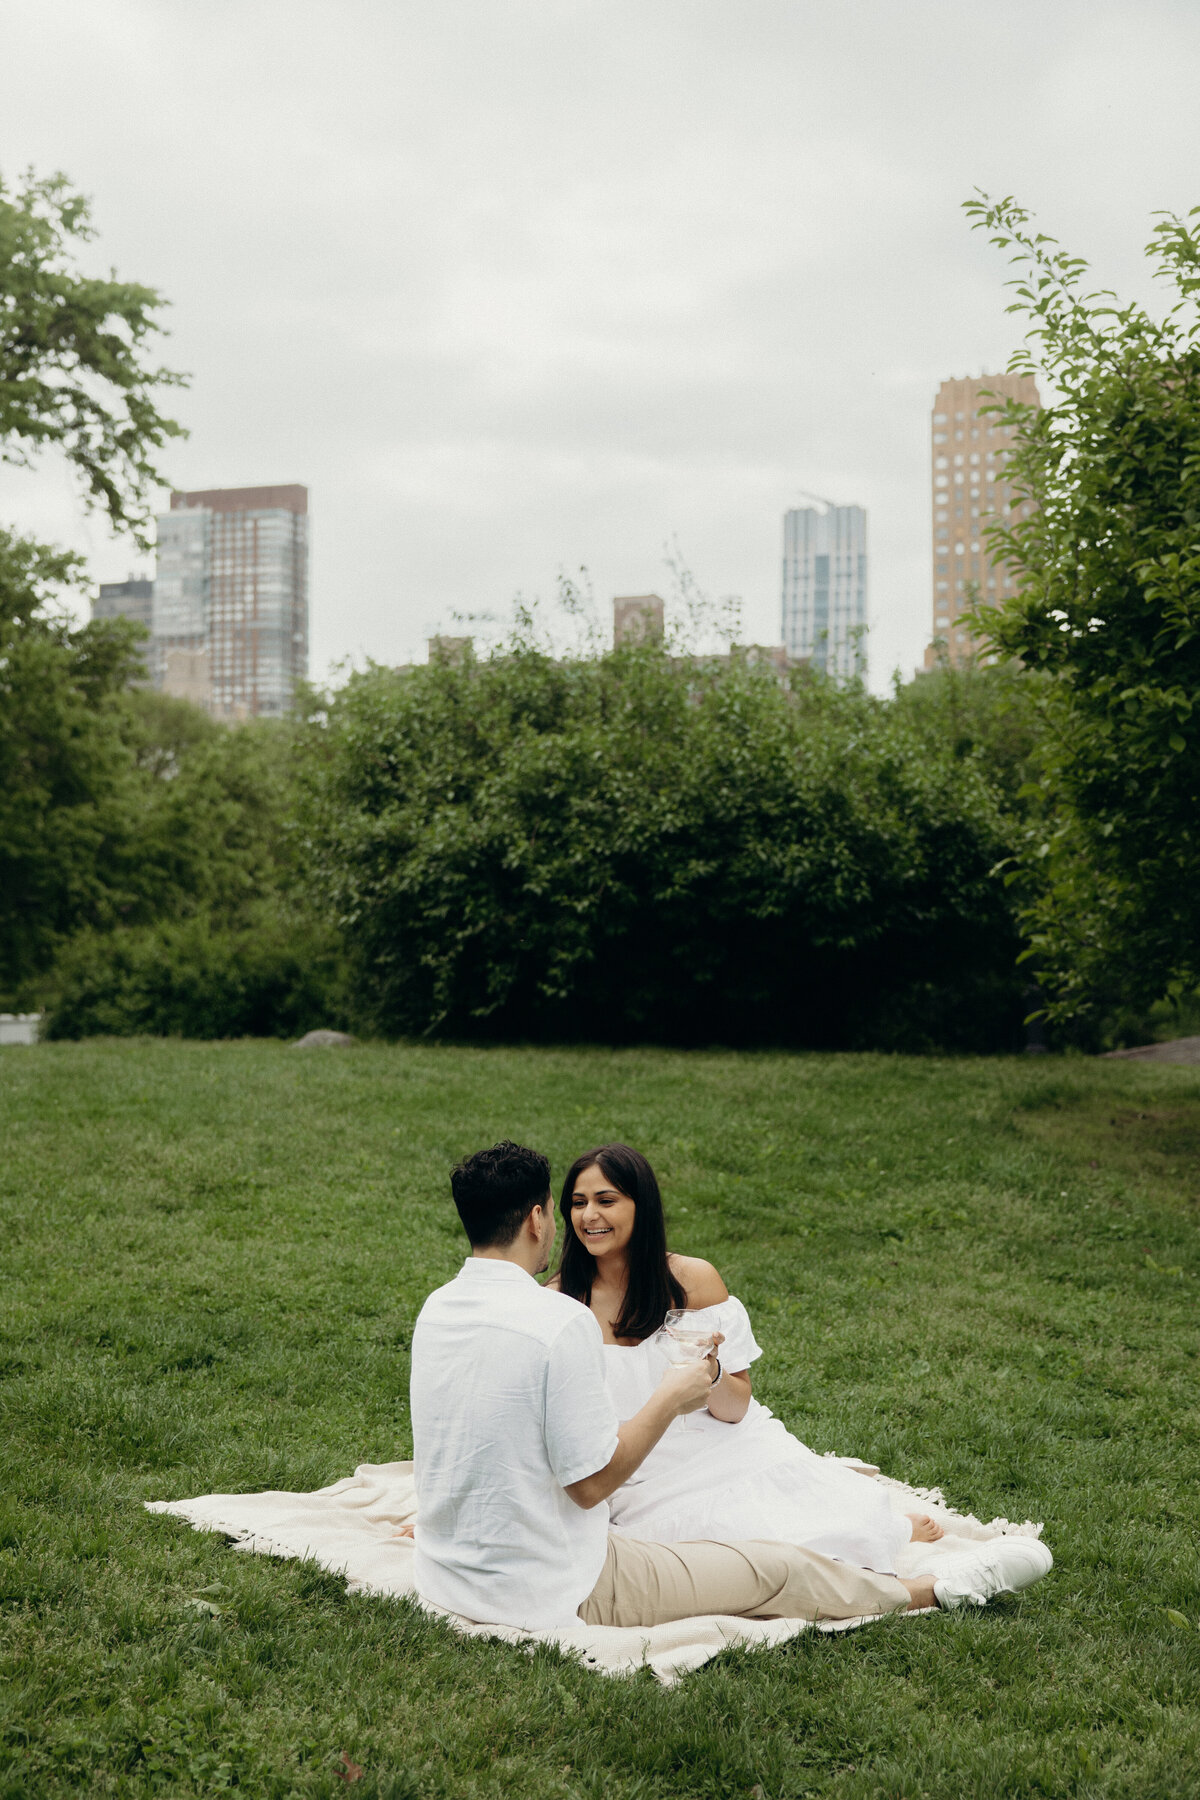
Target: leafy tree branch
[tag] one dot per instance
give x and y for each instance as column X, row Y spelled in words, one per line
column 1108, row 609
column 74, row 374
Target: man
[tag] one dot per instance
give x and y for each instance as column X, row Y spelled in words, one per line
column 517, row 1447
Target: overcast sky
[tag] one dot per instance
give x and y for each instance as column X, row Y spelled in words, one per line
column 520, row 286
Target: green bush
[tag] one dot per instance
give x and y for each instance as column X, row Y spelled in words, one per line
column 636, row 847
column 1106, row 620
column 988, row 713
column 192, row 978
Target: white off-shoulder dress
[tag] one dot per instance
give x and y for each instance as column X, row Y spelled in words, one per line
column 709, row 1479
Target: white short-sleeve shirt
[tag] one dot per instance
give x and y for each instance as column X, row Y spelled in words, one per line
column 509, row 1407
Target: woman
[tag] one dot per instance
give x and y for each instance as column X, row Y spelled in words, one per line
column 732, row 1471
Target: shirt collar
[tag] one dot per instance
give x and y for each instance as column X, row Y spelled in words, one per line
column 491, row 1268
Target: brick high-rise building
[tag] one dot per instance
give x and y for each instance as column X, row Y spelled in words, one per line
column 231, row 597
column 970, row 450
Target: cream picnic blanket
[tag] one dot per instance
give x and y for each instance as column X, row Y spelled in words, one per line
column 352, row 1529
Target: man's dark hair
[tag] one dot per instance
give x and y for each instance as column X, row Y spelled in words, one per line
column 496, row 1190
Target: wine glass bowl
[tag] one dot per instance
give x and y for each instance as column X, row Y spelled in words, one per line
column 683, row 1343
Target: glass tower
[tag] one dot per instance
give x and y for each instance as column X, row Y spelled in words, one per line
column 232, row 583
column 179, row 618
column 825, row 587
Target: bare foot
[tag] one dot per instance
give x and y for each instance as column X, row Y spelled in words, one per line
column 924, row 1529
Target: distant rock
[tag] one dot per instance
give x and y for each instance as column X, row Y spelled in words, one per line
column 324, row 1040
column 1179, row 1050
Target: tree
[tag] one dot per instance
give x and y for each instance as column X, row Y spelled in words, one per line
column 1108, row 611
column 73, row 374
column 67, row 806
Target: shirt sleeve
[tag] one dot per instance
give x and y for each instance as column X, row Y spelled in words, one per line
column 580, row 1423
column 739, row 1349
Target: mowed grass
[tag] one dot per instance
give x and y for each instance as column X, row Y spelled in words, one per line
column 976, row 1273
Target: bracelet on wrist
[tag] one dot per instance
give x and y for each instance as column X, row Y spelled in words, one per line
column 717, row 1376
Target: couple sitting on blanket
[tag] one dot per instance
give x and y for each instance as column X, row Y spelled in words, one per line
column 567, row 1470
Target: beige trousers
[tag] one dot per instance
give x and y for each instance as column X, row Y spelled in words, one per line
column 651, row 1584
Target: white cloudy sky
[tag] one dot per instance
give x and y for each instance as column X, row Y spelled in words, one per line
column 517, row 286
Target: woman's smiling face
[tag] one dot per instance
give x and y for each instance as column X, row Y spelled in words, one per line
column 600, row 1213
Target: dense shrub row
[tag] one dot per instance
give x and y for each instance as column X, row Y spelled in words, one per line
column 269, row 977
column 621, row 847
column 640, row 847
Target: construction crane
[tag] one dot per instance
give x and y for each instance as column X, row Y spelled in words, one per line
column 806, row 495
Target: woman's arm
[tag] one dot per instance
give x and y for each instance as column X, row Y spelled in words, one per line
column 730, row 1396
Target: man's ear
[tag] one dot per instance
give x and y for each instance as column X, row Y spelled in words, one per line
column 547, row 1211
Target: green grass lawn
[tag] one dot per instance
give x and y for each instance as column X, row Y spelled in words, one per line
column 981, row 1273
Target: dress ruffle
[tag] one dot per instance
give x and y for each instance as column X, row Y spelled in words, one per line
column 731, row 1319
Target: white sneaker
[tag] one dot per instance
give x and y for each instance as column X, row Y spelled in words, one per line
column 1002, row 1565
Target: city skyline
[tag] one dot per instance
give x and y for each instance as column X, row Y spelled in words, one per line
column 565, row 287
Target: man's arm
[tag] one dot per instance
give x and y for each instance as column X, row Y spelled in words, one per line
column 683, row 1389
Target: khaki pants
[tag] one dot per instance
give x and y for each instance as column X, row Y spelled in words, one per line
column 651, row 1584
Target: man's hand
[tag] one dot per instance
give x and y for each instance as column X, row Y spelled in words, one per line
column 686, row 1386
column 683, row 1389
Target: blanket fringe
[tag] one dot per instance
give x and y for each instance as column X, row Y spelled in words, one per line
column 964, row 1524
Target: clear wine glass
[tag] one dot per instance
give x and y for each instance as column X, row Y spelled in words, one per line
column 681, row 1342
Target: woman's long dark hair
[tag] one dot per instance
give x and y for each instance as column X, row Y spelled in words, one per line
column 652, row 1289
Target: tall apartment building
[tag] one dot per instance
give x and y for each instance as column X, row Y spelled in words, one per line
column 132, row 599
column 970, row 450
column 231, row 599
column 825, row 587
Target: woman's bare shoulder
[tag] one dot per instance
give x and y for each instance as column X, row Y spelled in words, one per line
column 701, row 1282
column 554, row 1282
